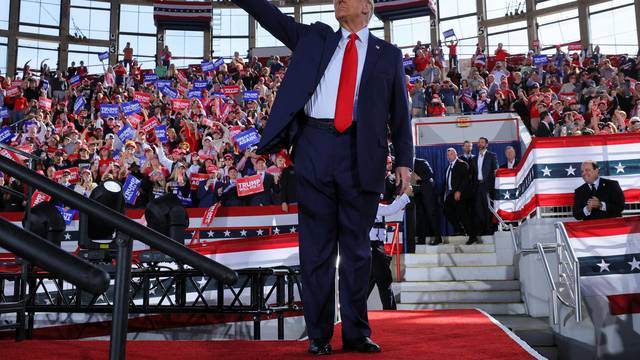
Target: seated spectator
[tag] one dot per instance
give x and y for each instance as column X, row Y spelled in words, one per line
column 598, row 197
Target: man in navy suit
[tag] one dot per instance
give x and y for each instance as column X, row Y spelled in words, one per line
column 484, row 167
column 342, row 93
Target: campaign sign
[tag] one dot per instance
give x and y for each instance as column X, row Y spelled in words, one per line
column 162, row 83
column 196, row 179
column 250, row 95
column 102, row 57
column 150, row 124
column 126, row 133
column 235, row 130
column 5, row 135
column 109, row 110
column 132, row 107
column 247, row 138
column 169, row 91
column 540, row 60
column 67, row 215
column 74, row 174
column 39, row 197
column 74, row 81
column 231, row 90
column 134, row 120
column 449, row 33
column 13, row 91
column 161, row 133
column 413, row 78
column 407, row 62
column 142, row 97
column 45, row 85
column 44, row 103
column 4, row 112
column 197, row 94
column 219, row 62
column 180, row 104
column 130, row 189
column 575, row 47
column 79, row 104
column 17, row 83
column 180, row 77
column 207, row 66
column 182, row 89
column 249, row 185
column 210, row 214
column 200, row 84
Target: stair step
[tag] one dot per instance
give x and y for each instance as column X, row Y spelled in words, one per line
column 473, row 285
column 491, row 308
column 453, row 259
column 461, row 240
column 450, row 249
column 548, row 352
column 426, row 297
column 441, row 273
column 535, row 331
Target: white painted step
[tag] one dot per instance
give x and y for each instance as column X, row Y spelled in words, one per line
column 486, row 285
column 461, row 240
column 459, row 273
column 515, row 308
column 449, row 249
column 454, row 259
column 427, row 297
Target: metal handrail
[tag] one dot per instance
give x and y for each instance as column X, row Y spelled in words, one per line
column 575, row 265
column 503, row 224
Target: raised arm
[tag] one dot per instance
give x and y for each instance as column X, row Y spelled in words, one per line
column 281, row 26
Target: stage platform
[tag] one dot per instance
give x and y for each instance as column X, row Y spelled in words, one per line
column 427, row 334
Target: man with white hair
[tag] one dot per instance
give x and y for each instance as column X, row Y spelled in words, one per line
column 343, row 92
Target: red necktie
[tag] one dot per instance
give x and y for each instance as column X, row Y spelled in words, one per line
column 347, row 87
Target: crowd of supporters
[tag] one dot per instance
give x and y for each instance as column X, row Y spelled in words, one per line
column 183, row 136
column 564, row 94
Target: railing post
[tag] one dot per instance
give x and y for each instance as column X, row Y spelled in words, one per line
column 554, row 307
column 280, row 304
column 578, row 291
column 120, row 316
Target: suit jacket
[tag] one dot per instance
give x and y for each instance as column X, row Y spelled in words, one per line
column 489, row 167
column 468, row 161
column 460, row 180
column 382, row 96
column 608, row 191
column 505, row 165
column 422, row 168
column 544, row 130
column 264, row 197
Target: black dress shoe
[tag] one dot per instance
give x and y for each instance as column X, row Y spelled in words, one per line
column 363, row 345
column 319, row 347
column 436, row 241
column 473, row 240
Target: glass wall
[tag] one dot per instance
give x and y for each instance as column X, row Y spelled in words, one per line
column 230, row 33
column 558, row 29
column 90, row 19
column 613, row 27
column 138, row 29
column 4, row 14
column 187, row 47
column 3, row 55
column 88, row 55
column 263, row 38
column 406, row 33
column 40, row 17
column 34, row 52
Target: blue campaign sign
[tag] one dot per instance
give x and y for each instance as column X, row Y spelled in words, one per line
column 169, row 91
column 414, row 78
column 219, row 62
column 4, row 112
column 103, row 56
column 152, row 78
column 407, row 62
column 161, row 133
column 130, row 189
column 207, row 66
column 540, row 60
column 68, row 215
column 449, row 33
column 5, row 135
column 126, row 133
column 75, row 80
column 162, row 83
column 200, row 84
column 132, row 107
column 45, row 85
column 109, row 110
column 250, row 95
column 194, row 94
column 79, row 104
column 247, row 138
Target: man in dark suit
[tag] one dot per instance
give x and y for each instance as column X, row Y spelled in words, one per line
column 426, row 201
column 545, row 129
column 342, row 92
column 467, row 156
column 484, row 167
column 510, row 154
column 597, row 198
column 457, row 189
column 264, row 197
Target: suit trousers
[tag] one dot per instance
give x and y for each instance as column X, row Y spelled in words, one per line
column 335, row 216
column 426, row 206
column 457, row 213
column 381, row 275
column 483, row 219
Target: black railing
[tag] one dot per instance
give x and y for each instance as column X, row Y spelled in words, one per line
column 126, row 230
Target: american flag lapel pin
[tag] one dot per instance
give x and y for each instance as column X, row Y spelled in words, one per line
column 378, row 47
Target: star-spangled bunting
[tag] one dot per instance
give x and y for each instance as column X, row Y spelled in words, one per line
column 609, row 265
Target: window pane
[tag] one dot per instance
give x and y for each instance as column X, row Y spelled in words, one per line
column 464, row 28
column 326, row 15
column 36, row 52
column 92, row 23
column 137, row 19
column 563, row 32
column 498, row 8
column 230, row 22
column 549, row 3
column 187, row 47
column 263, row 38
column 456, row 7
column 514, row 42
column 3, row 59
column 407, row 32
column 4, row 15
column 615, row 31
column 609, row 5
column 143, row 46
column 45, row 12
column 225, row 47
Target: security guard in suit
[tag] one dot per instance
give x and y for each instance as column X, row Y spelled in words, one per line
column 426, row 202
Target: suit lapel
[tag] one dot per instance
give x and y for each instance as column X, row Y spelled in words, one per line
column 373, row 54
column 329, row 48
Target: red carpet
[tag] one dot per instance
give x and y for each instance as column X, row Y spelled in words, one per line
column 440, row 334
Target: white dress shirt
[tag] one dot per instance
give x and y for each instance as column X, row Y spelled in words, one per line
column 603, row 205
column 322, row 104
column 481, row 155
column 387, row 210
column 511, row 163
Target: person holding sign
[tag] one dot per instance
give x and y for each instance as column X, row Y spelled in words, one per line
column 337, row 122
column 453, row 52
column 264, row 197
